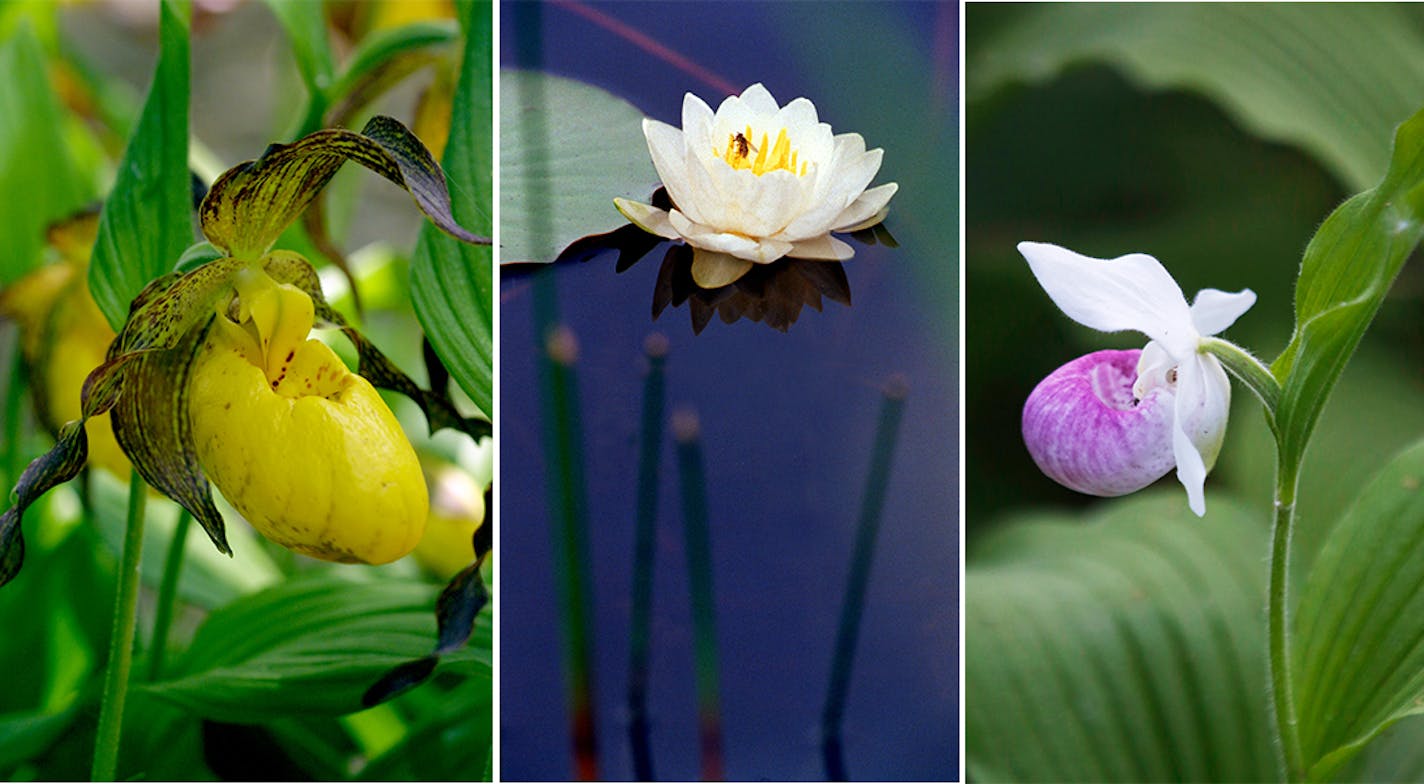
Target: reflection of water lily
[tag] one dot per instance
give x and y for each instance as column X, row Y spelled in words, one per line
column 755, row 182
column 1113, row 422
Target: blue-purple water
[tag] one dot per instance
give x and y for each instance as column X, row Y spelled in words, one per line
column 788, row 422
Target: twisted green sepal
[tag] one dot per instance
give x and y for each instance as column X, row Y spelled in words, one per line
column 251, row 204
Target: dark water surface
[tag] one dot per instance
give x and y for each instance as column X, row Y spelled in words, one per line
column 788, row 421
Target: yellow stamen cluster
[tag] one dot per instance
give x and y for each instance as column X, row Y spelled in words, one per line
column 743, row 153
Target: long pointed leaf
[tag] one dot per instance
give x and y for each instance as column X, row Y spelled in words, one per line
column 147, row 221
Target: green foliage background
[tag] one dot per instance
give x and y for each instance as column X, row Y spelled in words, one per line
column 269, row 653
column 1216, row 138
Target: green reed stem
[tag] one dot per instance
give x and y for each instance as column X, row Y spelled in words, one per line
column 168, row 595
column 872, row 504
column 639, row 636
column 121, row 641
column 1278, row 603
column 687, row 430
column 568, row 509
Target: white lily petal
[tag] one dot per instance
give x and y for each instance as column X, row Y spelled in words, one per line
column 758, row 99
column 697, row 121
column 757, row 206
column 836, row 190
column 1132, row 292
column 1214, row 310
column 760, row 251
column 648, row 218
column 712, row 270
column 665, row 143
column 823, row 248
column 867, row 210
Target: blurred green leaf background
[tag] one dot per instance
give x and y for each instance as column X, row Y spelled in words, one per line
column 269, row 652
column 1216, row 138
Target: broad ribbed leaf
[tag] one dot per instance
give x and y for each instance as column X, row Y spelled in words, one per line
column 147, row 220
column 308, row 647
column 251, row 204
column 1277, row 70
column 38, row 181
column 566, row 150
column 1359, row 644
column 385, row 57
column 1129, row 646
column 1348, row 268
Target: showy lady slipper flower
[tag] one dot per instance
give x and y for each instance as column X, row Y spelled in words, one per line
column 1113, row 422
column 756, row 182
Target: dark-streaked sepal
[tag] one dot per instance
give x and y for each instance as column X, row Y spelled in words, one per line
column 252, row 203
column 376, row 367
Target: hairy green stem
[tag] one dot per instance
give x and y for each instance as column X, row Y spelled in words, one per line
column 1247, row 369
column 167, row 596
column 1282, row 686
column 121, row 641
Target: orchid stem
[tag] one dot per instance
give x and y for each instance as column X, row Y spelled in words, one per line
column 168, row 596
column 1278, row 602
column 121, row 641
column 644, row 550
column 1248, row 369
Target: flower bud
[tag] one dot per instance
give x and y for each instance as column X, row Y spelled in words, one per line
column 305, row 449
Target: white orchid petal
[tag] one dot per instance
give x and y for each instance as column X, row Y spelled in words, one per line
column 1132, row 292
column 1202, row 405
column 1213, row 310
column 648, row 218
column 823, row 248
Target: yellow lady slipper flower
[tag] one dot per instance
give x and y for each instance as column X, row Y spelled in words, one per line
column 305, row 449
column 64, row 336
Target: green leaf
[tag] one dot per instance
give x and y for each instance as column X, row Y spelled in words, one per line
column 147, row 220
column 451, row 283
column 252, row 203
column 1348, row 268
column 1126, row 647
column 38, row 180
column 566, row 150
column 305, row 25
column 384, row 58
column 308, row 647
column 1358, row 649
column 1277, row 70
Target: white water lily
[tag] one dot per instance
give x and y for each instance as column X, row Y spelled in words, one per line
column 1134, row 292
column 755, row 182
